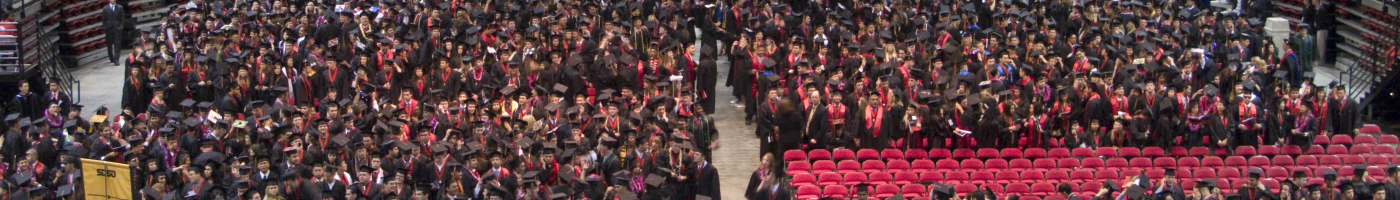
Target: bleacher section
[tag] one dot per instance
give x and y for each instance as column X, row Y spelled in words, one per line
column 1034, row 173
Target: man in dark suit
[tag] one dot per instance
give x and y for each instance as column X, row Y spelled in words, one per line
column 113, row 17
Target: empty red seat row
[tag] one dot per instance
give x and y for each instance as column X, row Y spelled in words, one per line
column 877, row 191
column 1106, row 152
column 1091, row 163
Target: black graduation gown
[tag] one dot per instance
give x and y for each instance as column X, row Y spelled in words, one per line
column 136, row 95
column 706, row 74
column 206, row 92
column 707, row 181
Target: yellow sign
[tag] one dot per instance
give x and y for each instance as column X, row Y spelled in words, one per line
column 104, row 180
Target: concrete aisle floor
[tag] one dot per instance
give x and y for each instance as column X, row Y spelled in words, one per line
column 736, row 158
column 738, row 154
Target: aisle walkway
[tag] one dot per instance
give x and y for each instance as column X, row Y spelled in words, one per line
column 737, row 157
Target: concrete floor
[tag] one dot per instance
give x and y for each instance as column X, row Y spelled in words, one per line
column 736, row 159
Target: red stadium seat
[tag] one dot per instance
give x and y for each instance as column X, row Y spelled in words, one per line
column 1245, row 151
column 1369, row 129
column 1042, row 189
column 871, row 166
column 1276, row 172
column 1092, row 186
column 1394, row 159
column 1383, row 150
column 1236, row 162
column 1268, row 151
column 988, row 153
column 1364, row 139
column 1067, row 163
column 936, row 154
column 1092, row 163
column 971, row 165
column 867, row 154
column 957, row 177
column 877, row 178
column 799, row 167
column 1004, row 177
column 980, row 177
column 1341, row 139
column 892, row 154
column 1212, row 162
column 930, row 177
column 1081, row 152
column 913, row 190
column 1059, row 153
column 1108, row 174
column 1140, row 163
column 1345, row 171
column 1306, row 160
column 1359, row 150
column 946, row 165
column 963, row 154
column 1199, row 151
column 794, row 155
column 847, row 166
column 1224, row 185
column 1188, row 163
column 1282, row 161
column 1259, row 161
column 1322, row 140
column 922, row 165
column 1319, row 170
column 1376, row 172
column 804, row 179
column 1184, row 174
column 1117, row 163
column 995, row 188
column 1057, row 175
column 829, row 178
column 853, row 178
column 915, row 154
column 1389, row 139
column 1018, row 188
column 819, row 154
column 1164, row 162
column 1292, row 150
column 1044, row 163
column 1081, row 175
column 1155, row 173
column 1316, row 150
column 1030, row 198
column 1178, row 151
column 843, row 154
column 964, row 188
column 823, row 166
column 897, row 166
column 903, row 178
column 1010, row 153
column 1152, row 152
column 808, row 192
column 1107, row 152
column 1228, row 173
column 1352, row 160
column 1272, row 184
column 1204, row 173
column 996, row 164
column 1129, row 152
column 834, row 191
column 1032, row 176
column 1129, row 172
column 1034, row 153
column 885, row 191
column 1377, row 160
column 1019, row 164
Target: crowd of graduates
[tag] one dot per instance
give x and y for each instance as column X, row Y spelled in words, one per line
column 608, row 99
